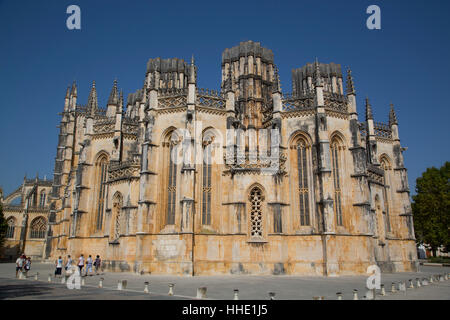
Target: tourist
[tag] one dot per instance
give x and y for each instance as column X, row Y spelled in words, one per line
column 19, row 264
column 89, row 263
column 59, row 266
column 27, row 266
column 81, row 263
column 68, row 263
column 97, row 264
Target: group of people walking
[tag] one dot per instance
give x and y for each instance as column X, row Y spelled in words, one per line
column 89, row 266
column 23, row 265
column 82, row 265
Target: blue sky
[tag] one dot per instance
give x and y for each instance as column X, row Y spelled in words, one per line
column 406, row 62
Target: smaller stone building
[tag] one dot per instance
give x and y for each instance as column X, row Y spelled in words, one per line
column 26, row 211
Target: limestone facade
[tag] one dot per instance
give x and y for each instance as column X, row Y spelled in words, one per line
column 330, row 198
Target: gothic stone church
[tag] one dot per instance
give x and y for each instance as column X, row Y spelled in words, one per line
column 337, row 202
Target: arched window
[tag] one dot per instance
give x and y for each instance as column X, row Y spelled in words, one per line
column 42, row 199
column 102, row 171
column 38, row 228
column 171, row 184
column 303, row 185
column 11, row 222
column 387, row 184
column 336, row 160
column 206, row 180
column 256, row 199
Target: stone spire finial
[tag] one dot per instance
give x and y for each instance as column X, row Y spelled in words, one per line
column 92, row 100
column 350, row 86
column 120, row 104
column 73, row 91
column 114, row 96
column 192, row 71
column 68, row 92
column 369, row 115
column 276, row 84
column 317, row 76
column 392, row 116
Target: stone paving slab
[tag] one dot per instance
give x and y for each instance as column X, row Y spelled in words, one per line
column 221, row 287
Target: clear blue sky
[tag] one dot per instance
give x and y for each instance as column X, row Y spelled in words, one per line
column 406, row 62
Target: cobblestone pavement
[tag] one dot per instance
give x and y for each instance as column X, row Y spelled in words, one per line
column 218, row 287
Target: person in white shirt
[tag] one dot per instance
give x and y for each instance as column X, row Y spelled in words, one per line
column 19, row 264
column 59, row 265
column 89, row 262
column 81, row 263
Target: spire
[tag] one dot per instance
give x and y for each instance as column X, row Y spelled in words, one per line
column 276, row 84
column 392, row 116
column 92, row 100
column 120, row 105
column 68, row 92
column 350, row 86
column 192, row 71
column 369, row 115
column 73, row 91
column 114, row 96
column 317, row 75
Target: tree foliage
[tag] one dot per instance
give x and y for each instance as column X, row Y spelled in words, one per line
column 431, row 207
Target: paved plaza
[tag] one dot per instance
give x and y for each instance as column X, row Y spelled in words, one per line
column 218, row 287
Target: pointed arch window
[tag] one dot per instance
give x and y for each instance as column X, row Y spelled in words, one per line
column 102, row 171
column 387, row 183
column 172, row 180
column 303, row 185
column 11, row 223
column 42, row 199
column 256, row 199
column 336, row 160
column 38, row 228
column 208, row 145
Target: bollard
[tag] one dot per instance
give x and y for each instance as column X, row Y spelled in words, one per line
column 383, row 291
column 100, row 283
column 393, row 290
column 411, row 285
column 83, row 281
column 146, row 287
column 236, row 294
column 441, row 277
column 271, row 295
column 121, row 284
column 171, row 285
column 339, row 295
column 445, row 276
column 36, row 276
column 418, row 285
column 49, row 277
column 201, row 293
column 355, row 294
column 21, row 275
column 370, row 294
column 424, row 281
column 431, row 279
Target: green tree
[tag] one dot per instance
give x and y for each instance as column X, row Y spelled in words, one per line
column 3, row 226
column 431, row 208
